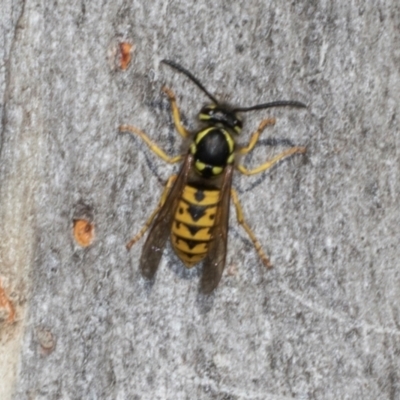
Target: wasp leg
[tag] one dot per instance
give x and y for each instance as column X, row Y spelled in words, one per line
column 146, row 226
column 256, row 135
column 153, row 147
column 175, row 113
column 241, row 221
column 271, row 163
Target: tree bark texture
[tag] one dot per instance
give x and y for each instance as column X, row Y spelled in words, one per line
column 80, row 322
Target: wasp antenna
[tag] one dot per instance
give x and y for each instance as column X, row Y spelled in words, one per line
column 281, row 103
column 184, row 71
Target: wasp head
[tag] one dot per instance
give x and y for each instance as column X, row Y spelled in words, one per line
column 221, row 116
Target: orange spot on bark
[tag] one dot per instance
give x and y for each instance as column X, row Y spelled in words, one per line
column 83, row 232
column 6, row 303
column 125, row 49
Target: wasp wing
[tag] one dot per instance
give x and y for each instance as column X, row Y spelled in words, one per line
column 214, row 262
column 161, row 228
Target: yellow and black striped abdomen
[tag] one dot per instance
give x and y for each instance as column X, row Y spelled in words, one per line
column 191, row 228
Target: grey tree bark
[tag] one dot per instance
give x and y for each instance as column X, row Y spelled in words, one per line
column 322, row 324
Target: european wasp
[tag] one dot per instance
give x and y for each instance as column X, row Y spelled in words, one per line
column 194, row 207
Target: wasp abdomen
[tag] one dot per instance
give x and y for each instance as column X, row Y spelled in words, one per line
column 193, row 222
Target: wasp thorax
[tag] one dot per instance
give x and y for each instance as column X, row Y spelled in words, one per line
column 223, row 116
column 213, row 148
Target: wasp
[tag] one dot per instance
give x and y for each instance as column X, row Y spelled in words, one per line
column 194, row 208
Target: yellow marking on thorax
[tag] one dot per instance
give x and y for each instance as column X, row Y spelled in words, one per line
column 203, row 133
column 229, row 140
column 200, row 166
column 231, row 159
